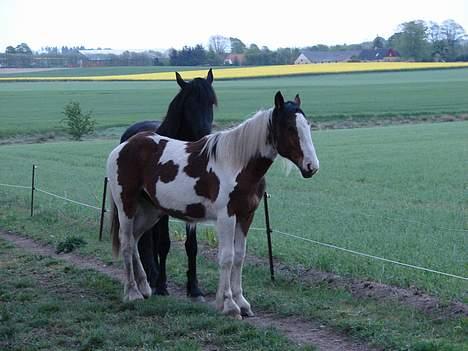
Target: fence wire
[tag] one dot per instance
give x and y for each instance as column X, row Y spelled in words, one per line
column 368, row 255
column 15, row 186
column 67, row 199
column 316, row 242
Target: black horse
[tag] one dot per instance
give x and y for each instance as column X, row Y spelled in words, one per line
column 189, row 118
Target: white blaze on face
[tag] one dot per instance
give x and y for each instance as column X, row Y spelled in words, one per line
column 307, row 147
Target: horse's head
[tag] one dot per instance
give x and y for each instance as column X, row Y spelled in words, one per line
column 291, row 135
column 195, row 107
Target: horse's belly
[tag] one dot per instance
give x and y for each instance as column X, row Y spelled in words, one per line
column 179, row 199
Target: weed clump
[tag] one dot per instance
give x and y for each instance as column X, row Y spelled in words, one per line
column 70, row 244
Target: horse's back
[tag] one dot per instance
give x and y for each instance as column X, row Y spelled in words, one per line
column 145, row 126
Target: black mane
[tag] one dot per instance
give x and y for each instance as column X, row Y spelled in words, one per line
column 197, row 95
column 202, row 93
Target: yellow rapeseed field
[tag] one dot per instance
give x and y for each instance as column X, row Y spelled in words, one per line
column 268, row 71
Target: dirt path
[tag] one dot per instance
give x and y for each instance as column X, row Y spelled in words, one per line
column 296, row 329
column 359, row 288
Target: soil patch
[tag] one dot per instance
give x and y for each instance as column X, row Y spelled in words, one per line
column 413, row 297
column 27, row 70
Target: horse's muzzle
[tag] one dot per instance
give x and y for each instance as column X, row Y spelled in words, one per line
column 309, row 173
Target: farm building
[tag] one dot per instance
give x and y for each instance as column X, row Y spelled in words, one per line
column 235, row 59
column 379, row 55
column 307, row 56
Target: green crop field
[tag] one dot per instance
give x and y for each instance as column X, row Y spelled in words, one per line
column 395, row 192
column 27, row 108
column 99, row 71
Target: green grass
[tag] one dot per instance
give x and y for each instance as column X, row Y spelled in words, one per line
column 105, row 321
column 394, row 192
column 49, row 305
column 27, row 108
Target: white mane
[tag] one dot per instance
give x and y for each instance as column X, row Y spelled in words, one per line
column 236, row 146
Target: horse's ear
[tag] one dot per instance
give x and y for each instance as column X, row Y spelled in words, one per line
column 279, row 100
column 209, row 76
column 182, row 83
column 297, row 100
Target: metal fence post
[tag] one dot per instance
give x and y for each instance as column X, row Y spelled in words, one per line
column 33, row 188
column 268, row 233
column 103, row 208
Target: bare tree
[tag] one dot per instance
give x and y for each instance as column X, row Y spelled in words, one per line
column 219, row 44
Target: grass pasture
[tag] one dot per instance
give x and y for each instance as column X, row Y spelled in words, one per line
column 98, row 71
column 367, row 179
column 371, row 195
column 397, row 192
column 50, row 305
column 31, row 108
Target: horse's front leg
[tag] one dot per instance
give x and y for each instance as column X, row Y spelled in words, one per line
column 224, row 302
column 240, row 240
column 162, row 247
column 191, row 249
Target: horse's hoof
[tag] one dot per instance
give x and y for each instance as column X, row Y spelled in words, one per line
column 133, row 295
column 196, row 295
column 231, row 309
column 145, row 290
column 160, row 291
column 197, row 299
column 194, row 291
column 247, row 312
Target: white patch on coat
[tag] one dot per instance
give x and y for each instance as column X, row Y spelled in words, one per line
column 112, row 175
column 305, row 140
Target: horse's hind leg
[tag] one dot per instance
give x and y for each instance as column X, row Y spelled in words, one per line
column 146, row 217
column 140, row 275
column 127, row 241
column 191, row 249
column 148, row 256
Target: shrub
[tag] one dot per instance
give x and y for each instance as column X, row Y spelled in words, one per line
column 78, row 123
column 69, row 244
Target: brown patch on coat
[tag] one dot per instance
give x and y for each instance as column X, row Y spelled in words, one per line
column 195, row 211
column 207, row 184
column 192, row 212
column 167, row 171
column 139, row 169
column 246, row 196
column 288, row 144
column 136, row 167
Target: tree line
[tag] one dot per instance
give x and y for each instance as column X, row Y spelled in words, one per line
column 219, row 49
column 414, row 40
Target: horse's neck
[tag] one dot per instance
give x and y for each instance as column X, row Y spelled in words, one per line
column 168, row 128
column 254, row 171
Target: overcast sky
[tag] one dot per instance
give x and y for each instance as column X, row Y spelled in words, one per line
column 141, row 24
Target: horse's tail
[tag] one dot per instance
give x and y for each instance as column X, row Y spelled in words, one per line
column 115, row 226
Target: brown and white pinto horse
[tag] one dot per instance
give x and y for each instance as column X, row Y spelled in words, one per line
column 218, row 178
